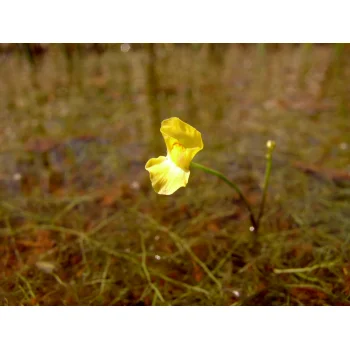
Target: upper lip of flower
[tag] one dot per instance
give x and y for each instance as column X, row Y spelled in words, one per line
column 183, row 141
column 174, row 130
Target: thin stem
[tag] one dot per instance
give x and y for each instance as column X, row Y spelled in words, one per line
column 270, row 148
column 306, row 269
column 231, row 184
column 146, row 272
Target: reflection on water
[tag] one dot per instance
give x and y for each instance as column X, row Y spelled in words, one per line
column 82, row 116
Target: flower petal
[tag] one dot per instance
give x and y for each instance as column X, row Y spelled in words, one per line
column 175, row 132
column 182, row 132
column 165, row 176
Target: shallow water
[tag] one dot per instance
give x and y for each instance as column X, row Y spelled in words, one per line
column 104, row 110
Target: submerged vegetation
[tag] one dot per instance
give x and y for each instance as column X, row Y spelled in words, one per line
column 80, row 223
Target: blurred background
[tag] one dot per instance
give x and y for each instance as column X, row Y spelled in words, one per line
column 79, row 221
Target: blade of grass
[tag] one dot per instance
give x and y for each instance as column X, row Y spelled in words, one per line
column 145, row 269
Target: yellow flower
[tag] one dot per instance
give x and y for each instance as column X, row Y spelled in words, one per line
column 183, row 142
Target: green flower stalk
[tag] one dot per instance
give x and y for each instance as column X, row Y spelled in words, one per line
column 231, row 184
